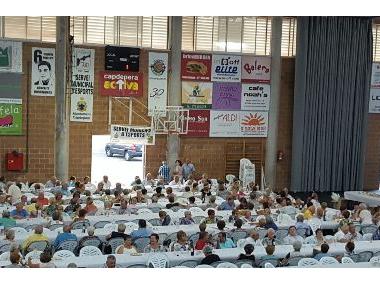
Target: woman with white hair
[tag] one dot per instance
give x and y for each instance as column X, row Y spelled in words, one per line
column 365, row 216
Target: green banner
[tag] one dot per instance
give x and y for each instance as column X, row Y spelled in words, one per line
column 10, row 119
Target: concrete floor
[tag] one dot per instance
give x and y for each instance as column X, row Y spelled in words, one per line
column 117, row 168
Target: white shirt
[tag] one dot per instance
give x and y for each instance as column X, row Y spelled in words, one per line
column 291, row 239
column 358, row 237
column 173, row 183
column 340, row 235
column 365, row 217
column 15, row 192
column 250, row 240
column 106, row 185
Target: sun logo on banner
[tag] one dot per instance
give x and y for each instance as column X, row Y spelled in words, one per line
column 82, row 105
column 253, row 120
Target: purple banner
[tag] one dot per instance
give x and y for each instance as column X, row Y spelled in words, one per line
column 226, row 96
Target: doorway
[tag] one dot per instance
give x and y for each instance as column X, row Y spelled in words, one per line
column 121, row 163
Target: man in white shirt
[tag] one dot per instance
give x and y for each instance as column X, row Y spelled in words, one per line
column 352, row 234
column 254, row 239
column 364, row 215
column 292, row 236
column 176, row 181
column 106, row 183
column 342, row 235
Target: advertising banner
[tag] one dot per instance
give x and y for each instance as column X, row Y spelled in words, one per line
column 157, row 83
column 132, row 134
column 122, row 58
column 375, row 78
column 10, row 56
column 10, row 119
column 82, row 85
column 121, row 84
column 196, row 67
column 43, row 72
column 374, row 100
column 199, row 123
column 81, row 108
column 256, row 69
column 196, row 95
column 238, row 124
column 10, row 88
column 226, row 68
column 255, row 97
column 226, row 96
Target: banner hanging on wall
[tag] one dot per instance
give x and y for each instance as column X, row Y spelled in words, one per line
column 10, row 88
column 121, row 84
column 375, row 77
column 255, row 97
column 82, row 85
column 196, row 67
column 157, row 83
column 256, row 69
column 226, row 96
column 132, row 134
column 43, row 72
column 122, row 58
column 226, row 68
column 238, row 124
column 10, row 119
column 10, row 56
column 196, row 95
column 199, row 123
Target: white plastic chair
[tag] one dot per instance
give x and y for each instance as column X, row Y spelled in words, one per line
column 180, row 266
column 375, row 259
column 310, row 240
column 99, row 204
column 204, row 266
column 5, row 256
column 268, row 265
column 330, row 238
column 346, row 260
column 110, row 227
column 62, row 254
column 129, row 227
column 37, row 245
column 326, row 260
column 246, row 265
column 158, row 260
column 196, row 211
column 90, row 251
column 307, row 262
column 227, row 265
column 369, row 229
column 19, row 230
column 35, row 255
column 284, row 219
column 367, row 236
column 241, row 243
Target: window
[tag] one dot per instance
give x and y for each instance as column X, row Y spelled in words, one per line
column 150, row 32
column 31, row 28
column 227, row 34
column 288, row 40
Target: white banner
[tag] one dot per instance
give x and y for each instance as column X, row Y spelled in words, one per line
column 226, row 68
column 10, row 56
column 157, row 83
column 247, row 172
column 132, row 134
column 81, row 108
column 375, row 78
column 82, row 85
column 238, row 124
column 256, row 69
column 255, row 97
column 43, row 72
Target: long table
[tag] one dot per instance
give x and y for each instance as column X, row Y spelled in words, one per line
column 371, row 198
column 175, row 258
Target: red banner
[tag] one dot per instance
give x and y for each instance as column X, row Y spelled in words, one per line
column 196, row 67
column 199, row 123
column 121, row 84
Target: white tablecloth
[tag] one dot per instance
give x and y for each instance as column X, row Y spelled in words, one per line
column 175, row 258
column 371, row 198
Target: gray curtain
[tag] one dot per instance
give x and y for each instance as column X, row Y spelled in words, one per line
column 332, row 82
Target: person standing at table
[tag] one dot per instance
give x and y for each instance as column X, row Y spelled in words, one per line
column 187, row 169
column 164, row 171
column 178, row 170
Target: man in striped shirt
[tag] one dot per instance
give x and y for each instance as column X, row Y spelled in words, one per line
column 164, row 171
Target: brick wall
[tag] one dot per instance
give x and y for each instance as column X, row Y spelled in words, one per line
column 208, row 154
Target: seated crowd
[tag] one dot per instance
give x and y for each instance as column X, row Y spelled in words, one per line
column 76, row 200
